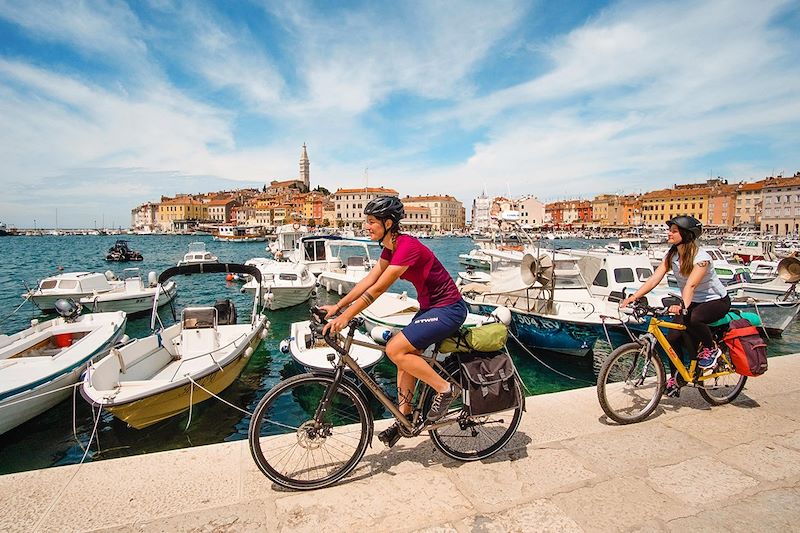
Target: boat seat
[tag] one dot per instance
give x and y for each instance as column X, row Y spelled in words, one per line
column 198, row 341
column 355, row 261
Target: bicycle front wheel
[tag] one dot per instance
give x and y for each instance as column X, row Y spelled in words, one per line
column 630, row 383
column 472, row 438
column 299, row 450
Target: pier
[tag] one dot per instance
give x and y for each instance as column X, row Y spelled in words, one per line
column 688, row 467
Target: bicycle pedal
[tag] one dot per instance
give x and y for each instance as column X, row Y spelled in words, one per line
column 390, row 435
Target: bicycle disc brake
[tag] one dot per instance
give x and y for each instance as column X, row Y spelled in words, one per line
column 310, row 436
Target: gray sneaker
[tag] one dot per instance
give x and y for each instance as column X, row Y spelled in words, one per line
column 441, row 402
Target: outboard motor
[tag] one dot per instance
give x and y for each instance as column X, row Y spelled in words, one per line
column 68, row 308
column 226, row 312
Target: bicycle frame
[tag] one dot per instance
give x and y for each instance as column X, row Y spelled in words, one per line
column 654, row 328
column 345, row 360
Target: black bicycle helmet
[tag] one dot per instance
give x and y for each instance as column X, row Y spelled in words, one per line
column 386, row 208
column 690, row 225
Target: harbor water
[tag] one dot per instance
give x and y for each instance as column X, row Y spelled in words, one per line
column 50, row 439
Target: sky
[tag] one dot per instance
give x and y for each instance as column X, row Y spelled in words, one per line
column 106, row 105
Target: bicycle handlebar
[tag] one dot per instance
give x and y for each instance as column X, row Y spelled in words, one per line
column 318, row 323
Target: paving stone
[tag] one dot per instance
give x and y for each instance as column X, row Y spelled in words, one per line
column 536, row 516
column 385, row 501
column 792, row 440
column 783, row 405
column 619, row 504
column 699, row 479
column 26, row 496
column 542, row 471
column 731, row 425
column 254, row 515
column 772, row 510
column 764, row 459
column 635, row 447
column 147, row 487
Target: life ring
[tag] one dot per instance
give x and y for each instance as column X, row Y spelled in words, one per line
column 296, row 226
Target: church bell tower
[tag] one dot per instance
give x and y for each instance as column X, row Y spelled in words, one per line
column 305, row 172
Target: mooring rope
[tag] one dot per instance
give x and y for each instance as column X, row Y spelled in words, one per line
column 58, row 496
column 293, row 428
column 545, row 364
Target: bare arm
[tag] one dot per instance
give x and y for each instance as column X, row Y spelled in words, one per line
column 648, row 286
column 389, row 275
column 361, row 287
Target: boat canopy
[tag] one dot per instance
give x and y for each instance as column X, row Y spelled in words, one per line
column 210, row 268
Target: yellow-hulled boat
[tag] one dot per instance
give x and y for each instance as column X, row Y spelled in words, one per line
column 151, row 379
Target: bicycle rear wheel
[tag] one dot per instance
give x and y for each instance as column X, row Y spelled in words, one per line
column 298, row 452
column 630, row 383
column 472, row 438
column 722, row 389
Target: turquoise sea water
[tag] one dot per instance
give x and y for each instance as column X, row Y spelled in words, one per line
column 48, row 440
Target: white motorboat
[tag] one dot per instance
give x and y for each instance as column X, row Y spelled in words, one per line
column 287, row 239
column 356, row 259
column 154, row 378
column 472, row 276
column 475, row 258
column 74, row 285
column 311, row 351
column 38, row 364
column 550, row 303
column 132, row 296
column 283, row 283
column 239, row 234
column 198, row 254
column 762, row 271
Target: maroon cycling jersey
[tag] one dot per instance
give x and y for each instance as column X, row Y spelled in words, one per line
column 435, row 287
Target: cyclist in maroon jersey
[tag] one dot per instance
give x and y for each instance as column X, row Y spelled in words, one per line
column 442, row 310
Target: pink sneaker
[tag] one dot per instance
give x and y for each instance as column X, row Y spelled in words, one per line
column 673, row 390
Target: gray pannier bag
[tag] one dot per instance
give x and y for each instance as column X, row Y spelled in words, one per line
column 490, row 382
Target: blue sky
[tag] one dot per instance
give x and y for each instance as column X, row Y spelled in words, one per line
column 105, row 105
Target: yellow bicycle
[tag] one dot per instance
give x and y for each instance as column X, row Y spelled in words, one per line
column 632, row 379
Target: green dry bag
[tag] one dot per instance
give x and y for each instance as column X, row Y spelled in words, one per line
column 486, row 338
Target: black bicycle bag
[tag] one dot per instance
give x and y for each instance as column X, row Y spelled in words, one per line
column 490, row 382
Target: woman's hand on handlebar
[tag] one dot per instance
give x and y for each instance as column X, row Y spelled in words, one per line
column 330, row 310
column 675, row 309
column 627, row 301
column 336, row 325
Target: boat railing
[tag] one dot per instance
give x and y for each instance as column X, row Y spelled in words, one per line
column 535, row 304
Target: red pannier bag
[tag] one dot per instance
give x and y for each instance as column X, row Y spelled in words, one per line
column 748, row 350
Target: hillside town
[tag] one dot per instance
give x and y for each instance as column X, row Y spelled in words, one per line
column 770, row 205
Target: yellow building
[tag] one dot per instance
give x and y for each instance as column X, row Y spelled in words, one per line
column 447, row 213
column 182, row 208
column 660, row 206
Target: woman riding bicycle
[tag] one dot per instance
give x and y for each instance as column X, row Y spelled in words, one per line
column 442, row 310
column 704, row 298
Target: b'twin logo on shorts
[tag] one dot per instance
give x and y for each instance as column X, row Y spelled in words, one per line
column 424, row 320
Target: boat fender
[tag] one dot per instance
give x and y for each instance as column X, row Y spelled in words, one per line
column 380, row 334
column 263, row 332
column 109, row 275
column 284, row 346
column 339, row 290
column 35, row 325
column 248, row 352
column 328, row 285
column 152, row 279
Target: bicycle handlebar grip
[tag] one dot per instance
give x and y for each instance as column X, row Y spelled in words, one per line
column 319, row 313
